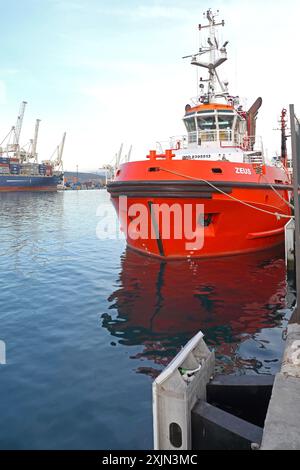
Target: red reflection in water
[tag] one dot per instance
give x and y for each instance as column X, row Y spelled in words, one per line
column 162, row 304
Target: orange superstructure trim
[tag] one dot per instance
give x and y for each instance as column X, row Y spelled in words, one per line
column 209, row 107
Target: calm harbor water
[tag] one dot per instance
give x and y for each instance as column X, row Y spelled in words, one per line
column 88, row 324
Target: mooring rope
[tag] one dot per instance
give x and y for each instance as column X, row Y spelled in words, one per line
column 278, row 194
column 276, row 214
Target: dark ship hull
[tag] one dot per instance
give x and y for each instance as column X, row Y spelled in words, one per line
column 29, row 183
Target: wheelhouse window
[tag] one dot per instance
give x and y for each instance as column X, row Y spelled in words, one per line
column 190, row 124
column 225, row 125
column 225, row 122
column 211, row 125
column 206, row 123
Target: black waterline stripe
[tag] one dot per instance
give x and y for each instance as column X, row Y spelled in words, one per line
column 185, row 183
column 177, row 195
column 167, row 189
column 156, row 229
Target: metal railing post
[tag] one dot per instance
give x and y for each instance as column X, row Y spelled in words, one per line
column 295, row 139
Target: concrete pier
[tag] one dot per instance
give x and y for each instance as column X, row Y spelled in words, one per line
column 282, row 425
column 290, row 245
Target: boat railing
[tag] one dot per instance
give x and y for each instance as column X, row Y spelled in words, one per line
column 224, row 137
column 251, row 145
column 254, row 151
column 254, row 157
column 175, row 142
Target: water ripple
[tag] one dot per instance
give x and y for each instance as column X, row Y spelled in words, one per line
column 88, row 324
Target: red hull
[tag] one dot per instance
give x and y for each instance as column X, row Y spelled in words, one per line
column 231, row 227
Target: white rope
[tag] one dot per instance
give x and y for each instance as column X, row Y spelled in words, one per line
column 276, row 214
column 278, row 194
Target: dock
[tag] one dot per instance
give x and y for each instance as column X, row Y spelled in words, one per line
column 282, row 424
column 194, row 409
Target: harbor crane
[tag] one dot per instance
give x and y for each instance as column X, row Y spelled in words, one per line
column 33, row 153
column 18, row 127
column 61, row 151
column 58, row 162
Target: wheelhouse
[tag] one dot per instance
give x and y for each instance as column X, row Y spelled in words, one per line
column 214, row 125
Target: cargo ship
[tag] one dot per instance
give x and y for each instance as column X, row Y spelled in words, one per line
column 19, row 167
column 218, row 174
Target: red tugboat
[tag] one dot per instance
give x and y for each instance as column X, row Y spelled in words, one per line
column 215, row 179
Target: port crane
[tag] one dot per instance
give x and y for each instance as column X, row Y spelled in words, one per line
column 18, row 127
column 58, row 161
column 111, row 168
column 34, row 140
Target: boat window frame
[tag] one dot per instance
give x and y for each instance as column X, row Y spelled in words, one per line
column 191, row 117
column 195, row 136
column 232, row 130
column 206, row 113
column 226, row 115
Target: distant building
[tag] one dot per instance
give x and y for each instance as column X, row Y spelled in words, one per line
column 84, row 180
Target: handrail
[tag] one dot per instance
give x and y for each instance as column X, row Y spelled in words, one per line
column 226, row 138
column 168, row 155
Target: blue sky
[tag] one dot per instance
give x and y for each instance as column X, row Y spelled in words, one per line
column 111, row 71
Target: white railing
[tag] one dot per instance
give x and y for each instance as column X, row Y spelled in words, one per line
column 225, row 138
column 255, row 151
column 175, row 142
column 222, row 135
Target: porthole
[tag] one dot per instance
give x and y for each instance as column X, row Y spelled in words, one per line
column 175, row 435
column 153, row 168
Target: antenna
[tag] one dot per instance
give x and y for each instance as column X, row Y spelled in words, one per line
column 217, row 56
column 284, row 136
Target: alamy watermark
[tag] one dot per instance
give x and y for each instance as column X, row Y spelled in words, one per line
column 2, row 352
column 154, row 221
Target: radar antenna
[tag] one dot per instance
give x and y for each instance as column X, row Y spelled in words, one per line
column 217, row 56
